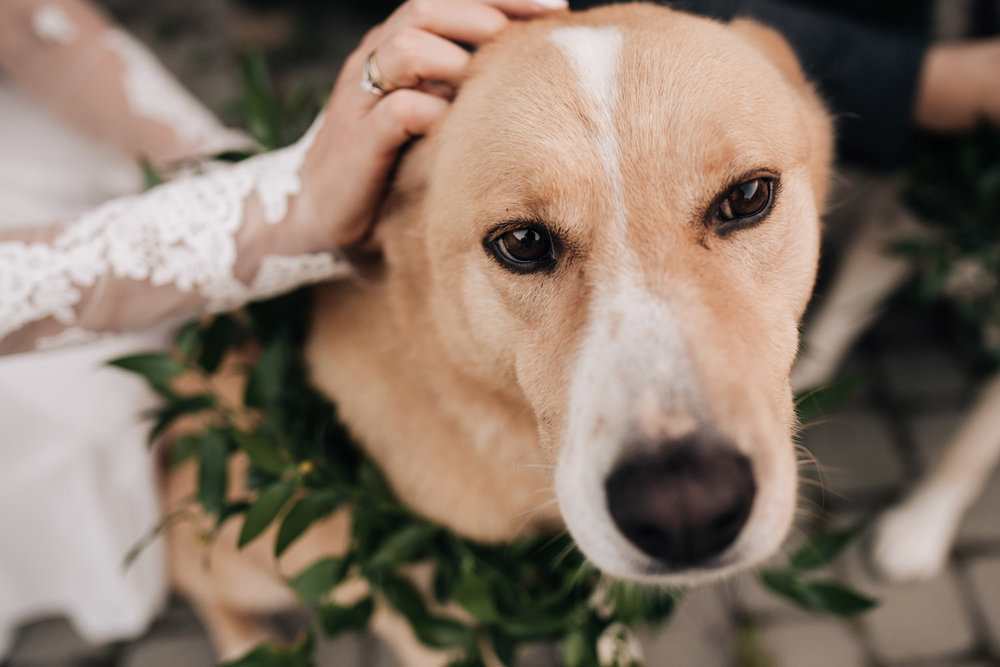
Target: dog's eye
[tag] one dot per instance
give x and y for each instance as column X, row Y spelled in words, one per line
column 524, row 249
column 745, row 204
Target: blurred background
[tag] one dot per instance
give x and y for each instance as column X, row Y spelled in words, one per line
column 911, row 377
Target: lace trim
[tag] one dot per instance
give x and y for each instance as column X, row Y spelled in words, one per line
column 51, row 24
column 153, row 93
column 180, row 234
column 70, row 337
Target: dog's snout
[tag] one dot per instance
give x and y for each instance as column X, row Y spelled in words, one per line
column 683, row 503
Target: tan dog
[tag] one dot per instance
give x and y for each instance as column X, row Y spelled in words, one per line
column 593, row 271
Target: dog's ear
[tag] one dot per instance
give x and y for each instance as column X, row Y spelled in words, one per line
column 770, row 42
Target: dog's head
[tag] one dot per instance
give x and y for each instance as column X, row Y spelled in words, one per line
column 617, row 226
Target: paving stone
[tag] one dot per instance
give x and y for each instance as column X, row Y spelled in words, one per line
column 701, row 630
column 816, row 643
column 52, row 641
column 190, row 651
column 539, row 655
column 931, row 434
column 913, row 622
column 923, row 373
column 855, row 454
column 984, row 574
column 345, row 651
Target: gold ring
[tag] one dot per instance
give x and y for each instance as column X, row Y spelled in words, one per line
column 373, row 81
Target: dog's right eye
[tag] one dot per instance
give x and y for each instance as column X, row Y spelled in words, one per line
column 523, row 249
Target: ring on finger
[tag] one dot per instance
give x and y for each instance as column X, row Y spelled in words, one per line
column 373, row 80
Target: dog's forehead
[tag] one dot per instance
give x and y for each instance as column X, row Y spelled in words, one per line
column 668, row 88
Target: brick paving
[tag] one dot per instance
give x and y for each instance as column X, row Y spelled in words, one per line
column 913, row 391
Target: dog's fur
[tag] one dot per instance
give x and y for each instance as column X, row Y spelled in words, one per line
column 497, row 403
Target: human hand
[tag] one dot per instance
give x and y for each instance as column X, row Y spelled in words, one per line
column 417, row 55
column 959, row 85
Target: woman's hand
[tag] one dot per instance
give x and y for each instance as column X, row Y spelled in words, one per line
column 417, row 56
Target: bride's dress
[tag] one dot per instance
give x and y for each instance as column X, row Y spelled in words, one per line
column 76, row 480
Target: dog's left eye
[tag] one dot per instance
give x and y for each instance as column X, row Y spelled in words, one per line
column 524, row 249
column 745, row 204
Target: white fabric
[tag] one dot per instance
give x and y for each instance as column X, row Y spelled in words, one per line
column 76, row 482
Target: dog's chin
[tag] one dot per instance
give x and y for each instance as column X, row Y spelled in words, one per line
column 623, row 561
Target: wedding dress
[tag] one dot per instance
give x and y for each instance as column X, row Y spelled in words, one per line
column 77, row 488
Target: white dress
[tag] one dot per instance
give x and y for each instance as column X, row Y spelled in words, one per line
column 76, row 483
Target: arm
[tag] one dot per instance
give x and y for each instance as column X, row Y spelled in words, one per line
column 208, row 242
column 71, row 58
column 256, row 228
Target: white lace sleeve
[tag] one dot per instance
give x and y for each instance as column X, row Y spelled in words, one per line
column 206, row 242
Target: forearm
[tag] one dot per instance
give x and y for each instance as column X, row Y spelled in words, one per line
column 209, row 242
column 71, row 58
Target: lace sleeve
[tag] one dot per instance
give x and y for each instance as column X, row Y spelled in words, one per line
column 204, row 242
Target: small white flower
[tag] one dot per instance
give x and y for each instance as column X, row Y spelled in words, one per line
column 618, row 647
column 968, row 279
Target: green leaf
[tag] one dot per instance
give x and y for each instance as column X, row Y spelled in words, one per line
column 264, row 384
column 156, row 368
column 213, row 475
column 819, row 401
column 475, row 595
column 184, row 448
column 839, row 600
column 216, row 340
column 313, row 583
column 303, row 514
column 823, row 549
column 298, row 655
column 404, row 546
column 230, row 510
column 187, row 340
column 404, row 597
column 440, row 632
column 178, row 406
column 579, row 649
column 150, row 176
column 264, row 510
column 263, row 454
column 827, row 597
column 335, row 619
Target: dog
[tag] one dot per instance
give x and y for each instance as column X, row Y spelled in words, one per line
column 584, row 312
column 911, row 541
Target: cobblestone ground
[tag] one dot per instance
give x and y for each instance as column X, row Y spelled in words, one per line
column 912, row 394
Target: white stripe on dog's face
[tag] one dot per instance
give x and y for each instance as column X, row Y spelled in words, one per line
column 633, row 375
column 632, row 342
column 595, row 54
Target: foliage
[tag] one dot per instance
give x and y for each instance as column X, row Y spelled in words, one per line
column 954, row 186
column 792, row 581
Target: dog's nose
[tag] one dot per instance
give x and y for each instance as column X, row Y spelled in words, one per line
column 683, row 503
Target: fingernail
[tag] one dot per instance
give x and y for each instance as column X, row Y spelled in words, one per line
column 552, row 4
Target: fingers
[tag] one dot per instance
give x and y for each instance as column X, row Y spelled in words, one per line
column 403, row 115
column 411, row 56
column 467, row 21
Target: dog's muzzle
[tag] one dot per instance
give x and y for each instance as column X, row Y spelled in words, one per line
column 682, row 502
